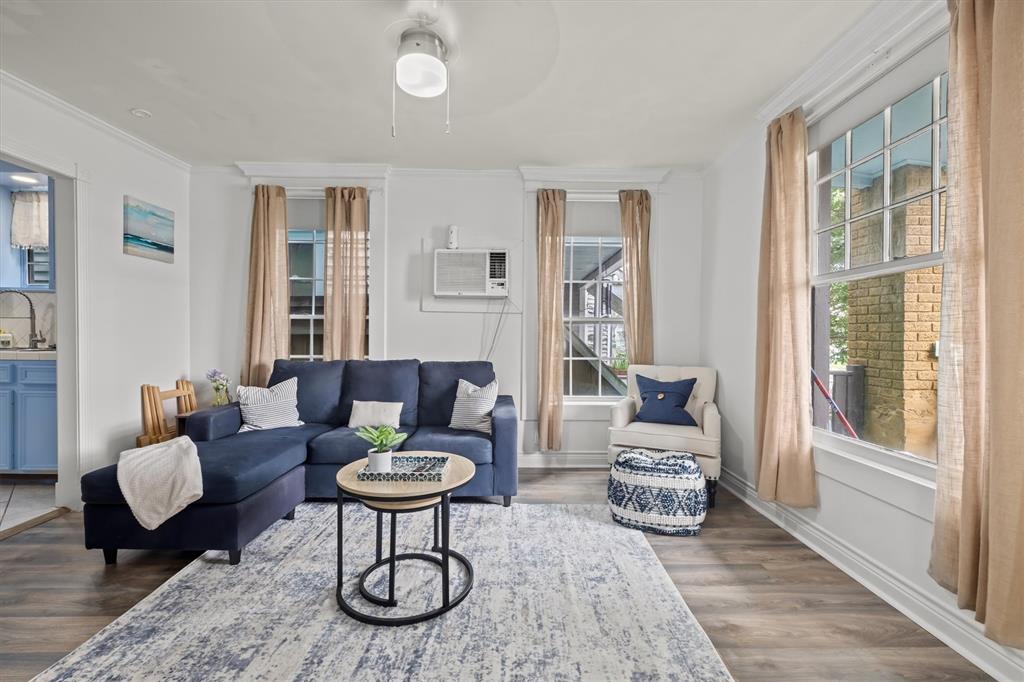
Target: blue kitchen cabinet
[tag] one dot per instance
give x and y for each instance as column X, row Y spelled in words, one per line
column 6, row 429
column 28, row 415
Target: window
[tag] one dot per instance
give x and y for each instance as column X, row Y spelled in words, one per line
column 595, row 340
column 37, row 267
column 878, row 201
column 306, row 250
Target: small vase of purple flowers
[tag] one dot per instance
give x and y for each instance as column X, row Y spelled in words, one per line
column 219, row 381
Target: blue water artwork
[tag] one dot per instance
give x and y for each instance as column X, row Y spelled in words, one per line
column 148, row 230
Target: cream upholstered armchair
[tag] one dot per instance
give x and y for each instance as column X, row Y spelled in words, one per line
column 703, row 440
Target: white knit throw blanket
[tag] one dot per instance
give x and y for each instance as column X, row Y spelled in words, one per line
column 158, row 481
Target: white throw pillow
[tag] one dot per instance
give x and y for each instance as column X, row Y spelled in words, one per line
column 473, row 406
column 269, row 408
column 370, row 413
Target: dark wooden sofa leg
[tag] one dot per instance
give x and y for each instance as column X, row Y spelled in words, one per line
column 110, row 556
column 234, row 556
column 506, row 501
column 290, row 516
column 712, row 489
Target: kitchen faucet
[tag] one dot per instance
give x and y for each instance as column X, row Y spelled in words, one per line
column 33, row 340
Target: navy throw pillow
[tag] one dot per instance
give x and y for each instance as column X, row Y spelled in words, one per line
column 664, row 401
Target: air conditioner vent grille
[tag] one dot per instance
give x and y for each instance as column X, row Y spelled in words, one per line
column 471, row 273
column 497, row 264
column 461, row 271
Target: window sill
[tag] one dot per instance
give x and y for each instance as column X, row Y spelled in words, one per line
column 588, row 410
column 874, row 454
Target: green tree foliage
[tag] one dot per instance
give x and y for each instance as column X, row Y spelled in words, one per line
column 838, row 292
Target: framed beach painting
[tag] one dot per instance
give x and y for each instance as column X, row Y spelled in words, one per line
column 148, row 230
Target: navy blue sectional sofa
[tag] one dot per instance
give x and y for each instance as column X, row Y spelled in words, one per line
column 252, row 479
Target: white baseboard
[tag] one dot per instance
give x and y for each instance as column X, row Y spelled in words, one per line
column 563, row 460
column 953, row 626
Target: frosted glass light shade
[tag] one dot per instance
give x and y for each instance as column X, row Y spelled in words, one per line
column 421, row 75
column 421, row 70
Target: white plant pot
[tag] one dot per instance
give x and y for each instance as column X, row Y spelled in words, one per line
column 380, row 462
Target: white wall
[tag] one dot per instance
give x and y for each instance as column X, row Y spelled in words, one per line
column 220, row 210
column 488, row 207
column 874, row 517
column 728, row 285
column 133, row 313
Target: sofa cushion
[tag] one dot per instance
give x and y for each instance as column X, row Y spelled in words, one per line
column 473, row 445
column 319, row 388
column 233, row 468
column 387, row 381
column 439, row 382
column 341, row 446
column 665, row 437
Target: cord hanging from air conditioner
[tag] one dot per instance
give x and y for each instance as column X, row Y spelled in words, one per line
column 497, row 328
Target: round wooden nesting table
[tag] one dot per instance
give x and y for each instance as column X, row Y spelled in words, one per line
column 402, row 497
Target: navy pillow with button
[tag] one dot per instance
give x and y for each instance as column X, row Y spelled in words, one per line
column 664, row 401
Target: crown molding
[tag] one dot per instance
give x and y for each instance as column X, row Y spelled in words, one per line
column 886, row 36
column 8, row 80
column 573, row 175
column 313, row 169
column 459, row 172
column 217, row 170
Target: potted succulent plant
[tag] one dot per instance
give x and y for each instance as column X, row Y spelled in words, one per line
column 383, row 439
column 620, row 365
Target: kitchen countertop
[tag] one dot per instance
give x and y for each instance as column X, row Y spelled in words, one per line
column 21, row 354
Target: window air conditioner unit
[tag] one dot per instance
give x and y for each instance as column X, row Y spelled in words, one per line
column 471, row 273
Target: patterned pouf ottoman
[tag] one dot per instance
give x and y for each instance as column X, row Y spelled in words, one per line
column 660, row 492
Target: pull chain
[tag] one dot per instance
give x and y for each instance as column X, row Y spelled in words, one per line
column 448, row 101
column 394, row 84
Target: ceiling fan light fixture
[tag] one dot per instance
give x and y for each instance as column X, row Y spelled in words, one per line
column 422, row 69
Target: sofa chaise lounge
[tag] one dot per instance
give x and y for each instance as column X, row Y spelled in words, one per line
column 252, row 479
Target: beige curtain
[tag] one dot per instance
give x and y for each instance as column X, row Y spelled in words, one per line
column 978, row 546
column 551, row 335
column 782, row 401
column 635, row 210
column 345, row 292
column 266, row 337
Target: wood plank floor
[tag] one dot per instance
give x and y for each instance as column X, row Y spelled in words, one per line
column 774, row 608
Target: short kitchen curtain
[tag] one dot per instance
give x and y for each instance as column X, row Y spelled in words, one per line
column 635, row 210
column 550, row 329
column 30, row 220
column 345, row 291
column 266, row 336
column 782, row 401
column 978, row 545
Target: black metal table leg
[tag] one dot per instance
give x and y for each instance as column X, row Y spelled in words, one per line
column 380, row 523
column 437, row 530
column 341, row 545
column 446, row 502
column 391, row 565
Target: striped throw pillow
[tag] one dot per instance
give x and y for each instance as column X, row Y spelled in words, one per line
column 269, row 408
column 473, row 406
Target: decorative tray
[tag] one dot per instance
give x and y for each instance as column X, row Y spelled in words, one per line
column 417, row 468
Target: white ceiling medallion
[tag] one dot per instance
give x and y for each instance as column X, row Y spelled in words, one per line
column 421, row 70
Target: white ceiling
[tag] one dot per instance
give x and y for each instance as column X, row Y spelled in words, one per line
column 584, row 82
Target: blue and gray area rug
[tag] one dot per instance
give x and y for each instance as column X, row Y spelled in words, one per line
column 561, row 593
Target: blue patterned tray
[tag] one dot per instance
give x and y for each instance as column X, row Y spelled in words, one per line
column 417, row 468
